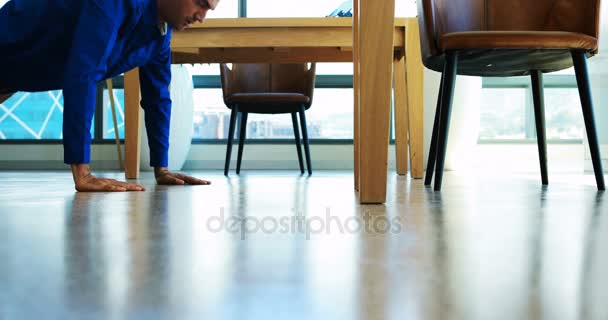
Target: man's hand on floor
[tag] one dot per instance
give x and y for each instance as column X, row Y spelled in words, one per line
column 164, row 177
column 84, row 181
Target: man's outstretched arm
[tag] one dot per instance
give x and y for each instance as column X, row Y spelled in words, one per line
column 155, row 78
column 93, row 39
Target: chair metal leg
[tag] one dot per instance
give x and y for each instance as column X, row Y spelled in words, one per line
column 242, row 136
column 430, row 164
column 584, row 89
column 296, row 132
column 233, row 115
column 539, row 115
column 447, row 95
column 305, row 138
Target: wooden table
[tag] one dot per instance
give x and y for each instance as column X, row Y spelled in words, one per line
column 379, row 45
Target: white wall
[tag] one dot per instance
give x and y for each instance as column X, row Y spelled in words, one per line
column 598, row 70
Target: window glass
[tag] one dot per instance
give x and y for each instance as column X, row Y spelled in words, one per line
column 330, row 117
column 503, row 113
column 563, row 114
column 108, row 123
column 32, row 116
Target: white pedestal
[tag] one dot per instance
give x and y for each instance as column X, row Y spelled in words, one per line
column 182, row 112
column 464, row 124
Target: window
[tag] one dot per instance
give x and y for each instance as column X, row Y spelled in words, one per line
column 312, row 8
column 563, row 114
column 108, row 123
column 503, row 113
column 330, row 117
column 37, row 116
column 291, row 8
column 32, row 116
column 225, row 9
column 507, row 109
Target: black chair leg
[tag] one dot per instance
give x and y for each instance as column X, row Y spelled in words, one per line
column 242, row 136
column 233, row 115
column 584, row 89
column 430, row 164
column 447, row 95
column 305, row 138
column 296, row 132
column 539, row 115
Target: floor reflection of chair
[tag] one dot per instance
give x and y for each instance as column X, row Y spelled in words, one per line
column 589, row 299
column 258, row 247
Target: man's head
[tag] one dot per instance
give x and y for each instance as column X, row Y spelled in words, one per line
column 180, row 14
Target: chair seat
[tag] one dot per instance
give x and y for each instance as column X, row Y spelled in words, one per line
column 511, row 53
column 267, row 98
column 517, row 40
column 268, row 103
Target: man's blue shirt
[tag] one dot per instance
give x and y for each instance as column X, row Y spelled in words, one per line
column 74, row 44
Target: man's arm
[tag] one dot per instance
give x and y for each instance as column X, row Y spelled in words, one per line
column 93, row 40
column 154, row 79
column 94, row 37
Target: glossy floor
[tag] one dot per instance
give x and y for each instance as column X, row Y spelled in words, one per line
column 270, row 245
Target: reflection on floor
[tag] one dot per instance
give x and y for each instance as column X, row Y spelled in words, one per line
column 275, row 244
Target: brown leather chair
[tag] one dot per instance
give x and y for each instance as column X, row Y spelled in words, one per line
column 502, row 38
column 268, row 89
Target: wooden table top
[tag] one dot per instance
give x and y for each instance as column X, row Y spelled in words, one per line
column 273, row 33
column 281, row 22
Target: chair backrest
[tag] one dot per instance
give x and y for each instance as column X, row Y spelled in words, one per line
column 438, row 17
column 268, row 78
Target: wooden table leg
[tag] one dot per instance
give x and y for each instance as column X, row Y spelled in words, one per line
column 376, row 24
column 356, row 92
column 401, row 115
column 115, row 122
column 415, row 96
column 132, row 139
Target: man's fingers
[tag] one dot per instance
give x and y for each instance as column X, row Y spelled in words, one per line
column 131, row 186
column 192, row 180
column 115, row 188
column 171, row 179
column 124, row 185
column 135, row 187
column 111, row 185
column 178, row 181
